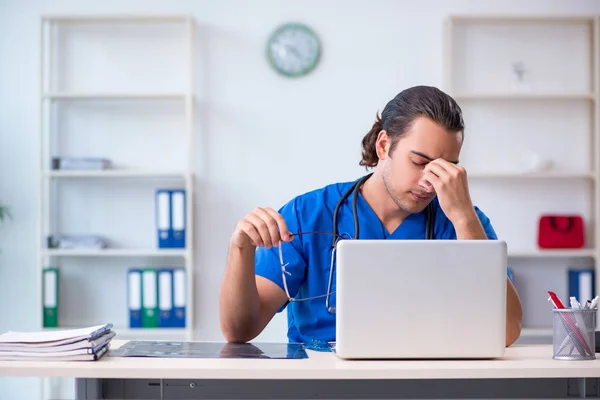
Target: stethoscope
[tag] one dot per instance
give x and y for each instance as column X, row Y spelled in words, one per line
column 354, row 189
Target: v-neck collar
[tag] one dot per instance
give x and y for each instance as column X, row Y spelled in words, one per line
column 372, row 227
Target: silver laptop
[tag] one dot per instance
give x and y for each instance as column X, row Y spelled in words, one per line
column 420, row 299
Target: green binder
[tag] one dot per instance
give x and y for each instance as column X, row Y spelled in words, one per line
column 50, row 296
column 149, row 298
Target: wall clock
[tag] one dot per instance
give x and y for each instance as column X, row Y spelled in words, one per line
column 293, row 49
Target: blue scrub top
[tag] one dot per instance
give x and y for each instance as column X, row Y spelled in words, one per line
column 309, row 256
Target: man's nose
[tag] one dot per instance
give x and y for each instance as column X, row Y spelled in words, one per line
column 426, row 186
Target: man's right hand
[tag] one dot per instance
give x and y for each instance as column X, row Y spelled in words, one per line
column 248, row 301
column 263, row 227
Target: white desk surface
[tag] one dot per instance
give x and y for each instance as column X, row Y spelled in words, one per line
column 518, row 362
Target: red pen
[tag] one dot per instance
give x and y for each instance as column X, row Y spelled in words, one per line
column 555, row 300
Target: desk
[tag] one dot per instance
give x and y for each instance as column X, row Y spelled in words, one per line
column 524, row 372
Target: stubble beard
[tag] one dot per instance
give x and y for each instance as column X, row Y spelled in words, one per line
column 388, row 188
column 407, row 205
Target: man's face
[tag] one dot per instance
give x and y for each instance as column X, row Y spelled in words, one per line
column 402, row 169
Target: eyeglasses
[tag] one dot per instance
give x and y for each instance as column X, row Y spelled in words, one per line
column 330, row 309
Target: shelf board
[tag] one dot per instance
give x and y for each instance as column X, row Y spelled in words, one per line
column 125, row 18
column 114, row 252
column 532, row 175
column 113, row 173
column 521, row 18
column 129, row 333
column 150, row 333
column 551, row 253
column 536, row 332
column 523, row 96
column 117, row 96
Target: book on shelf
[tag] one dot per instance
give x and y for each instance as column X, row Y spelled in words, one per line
column 79, row 163
column 62, row 241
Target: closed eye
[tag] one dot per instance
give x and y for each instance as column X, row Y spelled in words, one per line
column 419, row 164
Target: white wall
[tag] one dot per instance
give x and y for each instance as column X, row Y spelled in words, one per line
column 261, row 138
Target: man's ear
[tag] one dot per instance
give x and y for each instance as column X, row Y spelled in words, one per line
column 382, row 145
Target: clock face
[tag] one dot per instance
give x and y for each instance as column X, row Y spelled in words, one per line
column 293, row 50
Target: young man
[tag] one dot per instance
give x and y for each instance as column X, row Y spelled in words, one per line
column 414, row 147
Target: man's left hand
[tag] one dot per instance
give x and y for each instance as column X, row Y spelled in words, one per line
column 450, row 183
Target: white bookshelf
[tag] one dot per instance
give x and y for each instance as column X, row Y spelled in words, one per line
column 120, row 87
column 553, row 113
column 108, row 103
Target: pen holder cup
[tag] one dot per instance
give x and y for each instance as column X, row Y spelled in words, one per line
column 573, row 334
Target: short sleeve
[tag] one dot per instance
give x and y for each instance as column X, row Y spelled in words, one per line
column 491, row 234
column 487, row 225
column 267, row 262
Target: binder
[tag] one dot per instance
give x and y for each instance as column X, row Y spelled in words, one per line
column 165, row 298
column 178, row 219
column 50, row 296
column 134, row 295
column 179, row 297
column 76, row 163
column 149, row 298
column 163, row 218
column 581, row 284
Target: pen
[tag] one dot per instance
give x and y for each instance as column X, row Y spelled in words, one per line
column 569, row 337
column 588, row 304
column 579, row 317
column 574, row 303
column 555, row 300
column 594, row 302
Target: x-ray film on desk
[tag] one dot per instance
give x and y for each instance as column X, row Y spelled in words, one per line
column 210, row 350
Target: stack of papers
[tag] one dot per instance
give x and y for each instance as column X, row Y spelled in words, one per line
column 85, row 344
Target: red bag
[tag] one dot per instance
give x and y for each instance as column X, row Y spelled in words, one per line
column 561, row 232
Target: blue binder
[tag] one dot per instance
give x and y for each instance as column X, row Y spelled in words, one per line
column 178, row 217
column 179, row 297
column 134, row 296
column 163, row 218
column 166, row 313
column 581, row 284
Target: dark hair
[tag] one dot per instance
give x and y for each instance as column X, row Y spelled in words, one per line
column 400, row 112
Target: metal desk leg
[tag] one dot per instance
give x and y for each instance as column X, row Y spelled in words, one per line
column 583, row 387
column 581, row 384
column 88, row 389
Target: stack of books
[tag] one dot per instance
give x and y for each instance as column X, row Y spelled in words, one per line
column 85, row 344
